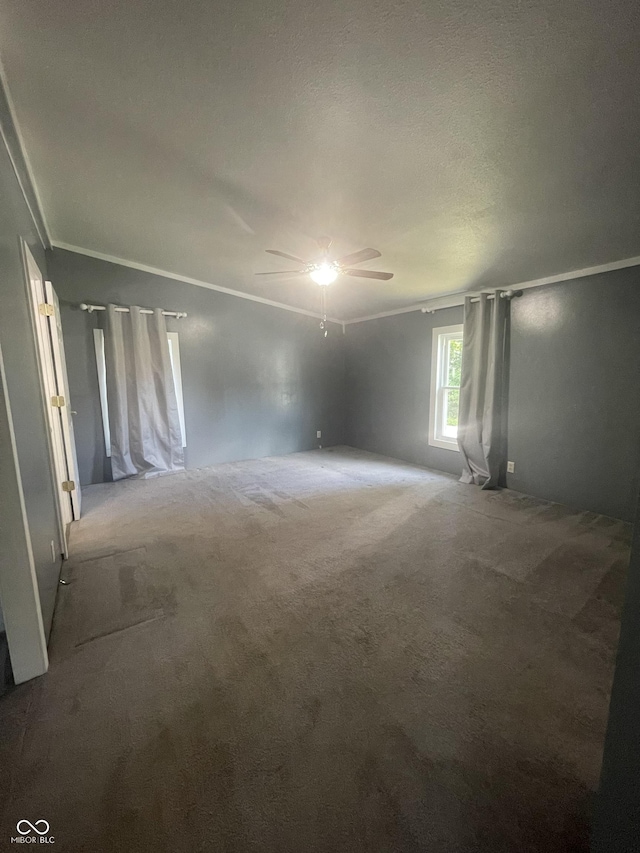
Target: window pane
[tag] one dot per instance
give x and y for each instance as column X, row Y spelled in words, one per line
column 452, row 402
column 174, row 353
column 450, row 420
column 446, row 369
column 98, row 340
column 454, row 364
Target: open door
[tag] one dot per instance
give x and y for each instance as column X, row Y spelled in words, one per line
column 62, row 381
column 53, row 373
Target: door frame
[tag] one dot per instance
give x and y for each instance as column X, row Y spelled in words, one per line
column 46, row 371
column 18, row 581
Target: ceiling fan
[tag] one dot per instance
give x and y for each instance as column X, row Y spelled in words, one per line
column 326, row 270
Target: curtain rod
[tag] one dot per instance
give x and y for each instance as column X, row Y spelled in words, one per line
column 504, row 294
column 91, row 308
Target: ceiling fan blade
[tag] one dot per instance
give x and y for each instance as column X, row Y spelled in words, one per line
column 383, row 276
column 359, row 257
column 282, row 272
column 285, row 255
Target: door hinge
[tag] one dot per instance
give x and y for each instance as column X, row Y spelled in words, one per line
column 46, row 309
column 68, row 486
column 58, row 402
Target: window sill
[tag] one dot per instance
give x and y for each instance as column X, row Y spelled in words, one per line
column 444, row 445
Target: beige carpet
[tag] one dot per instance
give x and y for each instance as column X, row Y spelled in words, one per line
column 328, row 651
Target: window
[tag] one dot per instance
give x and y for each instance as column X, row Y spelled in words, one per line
column 446, row 364
column 174, row 354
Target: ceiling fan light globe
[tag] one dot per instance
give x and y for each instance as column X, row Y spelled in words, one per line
column 324, row 274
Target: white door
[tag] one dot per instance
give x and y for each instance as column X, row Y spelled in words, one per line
column 62, row 380
column 56, row 398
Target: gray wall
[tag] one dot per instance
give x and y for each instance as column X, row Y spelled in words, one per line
column 23, row 384
column 388, row 377
column 574, row 413
column 574, row 409
column 257, row 380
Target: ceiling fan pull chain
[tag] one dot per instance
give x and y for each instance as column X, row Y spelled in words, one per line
column 323, row 310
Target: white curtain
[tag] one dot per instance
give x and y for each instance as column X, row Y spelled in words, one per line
column 143, row 413
column 482, row 415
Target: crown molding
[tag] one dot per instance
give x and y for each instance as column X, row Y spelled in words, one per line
column 134, row 265
column 14, row 143
column 455, row 298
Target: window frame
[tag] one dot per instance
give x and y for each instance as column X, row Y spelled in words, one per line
column 441, row 336
column 174, row 353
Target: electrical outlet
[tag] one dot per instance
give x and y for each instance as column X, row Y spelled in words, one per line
column 511, row 467
column 319, row 433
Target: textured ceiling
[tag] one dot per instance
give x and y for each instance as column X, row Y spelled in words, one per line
column 473, row 142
